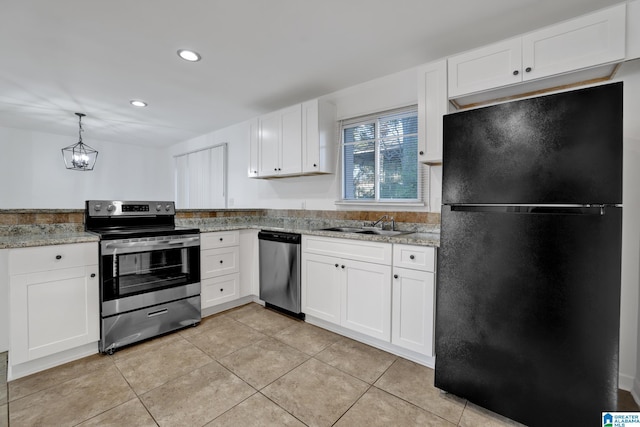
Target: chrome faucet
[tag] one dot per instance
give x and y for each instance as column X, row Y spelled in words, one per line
column 383, row 219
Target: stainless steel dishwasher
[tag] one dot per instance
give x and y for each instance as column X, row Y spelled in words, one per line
column 280, row 271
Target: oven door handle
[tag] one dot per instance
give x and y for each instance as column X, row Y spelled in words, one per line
column 111, row 247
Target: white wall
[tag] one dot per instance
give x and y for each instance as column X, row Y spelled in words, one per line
column 311, row 192
column 32, row 172
column 629, row 73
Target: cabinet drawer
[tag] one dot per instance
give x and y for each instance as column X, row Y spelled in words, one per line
column 56, row 257
column 379, row 253
column 219, row 239
column 218, row 262
column 414, row 257
column 217, row 290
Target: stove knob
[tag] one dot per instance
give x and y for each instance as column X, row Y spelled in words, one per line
column 158, row 207
column 167, row 208
column 110, row 208
column 97, row 207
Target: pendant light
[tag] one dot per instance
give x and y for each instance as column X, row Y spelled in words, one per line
column 79, row 156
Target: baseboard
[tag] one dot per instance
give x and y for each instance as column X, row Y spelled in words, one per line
column 209, row 311
column 626, row 382
column 418, row 358
column 635, row 391
column 23, row 369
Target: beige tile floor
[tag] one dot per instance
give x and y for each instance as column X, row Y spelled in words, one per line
column 246, row 367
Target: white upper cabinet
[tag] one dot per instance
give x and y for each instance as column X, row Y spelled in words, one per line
column 252, row 171
column 432, row 105
column 587, row 47
column 279, row 142
column 318, row 137
column 485, row 68
column 298, row 140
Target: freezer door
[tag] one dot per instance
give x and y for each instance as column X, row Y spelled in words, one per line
column 527, row 311
column 558, row 149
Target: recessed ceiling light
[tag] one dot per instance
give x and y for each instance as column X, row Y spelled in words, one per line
column 137, row 103
column 189, row 55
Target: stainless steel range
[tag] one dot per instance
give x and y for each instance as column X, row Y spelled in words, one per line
column 149, row 270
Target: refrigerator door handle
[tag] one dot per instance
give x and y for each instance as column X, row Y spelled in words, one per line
column 535, row 209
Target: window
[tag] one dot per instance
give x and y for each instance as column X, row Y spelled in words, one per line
column 380, row 158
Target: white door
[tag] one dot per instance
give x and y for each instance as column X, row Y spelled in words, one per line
column 366, row 298
column 291, row 143
column 591, row 40
column 321, row 287
column 413, row 310
column 486, row 68
column 269, row 144
column 53, row 311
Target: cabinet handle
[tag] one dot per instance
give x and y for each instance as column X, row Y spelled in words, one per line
column 422, row 153
column 395, row 276
column 221, row 289
column 315, row 165
column 221, row 239
column 336, row 265
column 528, row 69
column 412, row 257
column 58, row 256
column 343, row 266
column 275, row 169
column 279, row 169
column 93, row 275
column 220, row 261
column 516, row 72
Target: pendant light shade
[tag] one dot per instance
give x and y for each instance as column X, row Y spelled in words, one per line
column 79, row 156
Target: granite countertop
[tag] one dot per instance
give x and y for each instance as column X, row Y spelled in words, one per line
column 39, row 237
column 26, row 240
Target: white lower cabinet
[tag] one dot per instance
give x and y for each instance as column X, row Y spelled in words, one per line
column 53, row 300
column 366, row 298
column 344, row 291
column 219, row 267
column 413, row 310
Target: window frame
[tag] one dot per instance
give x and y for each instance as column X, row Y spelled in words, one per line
column 376, row 118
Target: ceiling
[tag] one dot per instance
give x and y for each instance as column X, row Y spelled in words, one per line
column 66, row 56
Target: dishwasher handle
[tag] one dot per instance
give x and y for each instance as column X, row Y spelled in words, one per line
column 279, row 236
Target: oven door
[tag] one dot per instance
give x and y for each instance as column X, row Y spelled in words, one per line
column 138, row 273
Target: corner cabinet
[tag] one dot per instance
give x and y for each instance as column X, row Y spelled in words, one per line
column 298, row 140
column 579, row 49
column 54, row 300
column 433, row 104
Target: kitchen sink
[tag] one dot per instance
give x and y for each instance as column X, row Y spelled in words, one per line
column 343, row 229
column 365, row 230
column 382, row 232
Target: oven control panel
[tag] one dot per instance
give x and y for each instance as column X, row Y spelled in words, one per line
column 96, row 208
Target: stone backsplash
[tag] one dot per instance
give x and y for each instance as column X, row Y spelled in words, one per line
column 18, row 221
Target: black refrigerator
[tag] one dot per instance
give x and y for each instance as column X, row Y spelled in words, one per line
column 528, row 286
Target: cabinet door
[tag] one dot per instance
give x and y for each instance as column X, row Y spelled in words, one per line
column 321, row 287
column 432, row 105
column 591, row 40
column 486, row 68
column 413, row 310
column 53, row 311
column 310, row 137
column 217, row 290
column 269, row 144
column 252, row 170
column 291, row 141
column 366, row 298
